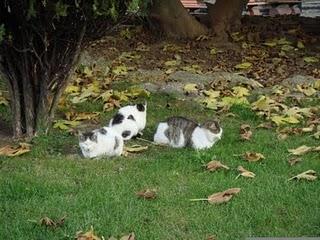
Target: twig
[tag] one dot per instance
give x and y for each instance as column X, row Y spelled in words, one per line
column 198, row 199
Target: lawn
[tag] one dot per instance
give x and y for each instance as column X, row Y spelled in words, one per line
column 54, row 181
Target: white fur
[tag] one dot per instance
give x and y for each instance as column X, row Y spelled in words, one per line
column 104, row 145
column 126, row 125
column 140, row 117
column 201, row 137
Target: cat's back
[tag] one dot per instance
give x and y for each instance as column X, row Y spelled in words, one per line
column 182, row 123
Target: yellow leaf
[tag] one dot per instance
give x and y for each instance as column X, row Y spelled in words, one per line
column 316, row 84
column 213, row 51
column 120, row 70
column 120, row 96
column 271, row 43
column 136, row 148
column 65, row 124
column 307, row 90
column 79, row 116
column 287, row 48
column 12, row 151
column 87, row 72
column 310, row 59
column 240, row 91
column 300, row 45
column 280, row 120
column 229, row 101
column 190, row 88
column 138, row 92
column 244, row 65
column 211, row 93
column 284, row 41
column 210, row 103
column 72, row 89
column 171, row 63
column 3, row 100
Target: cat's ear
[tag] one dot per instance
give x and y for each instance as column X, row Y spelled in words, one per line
column 80, row 135
column 215, row 126
column 141, row 107
column 103, row 131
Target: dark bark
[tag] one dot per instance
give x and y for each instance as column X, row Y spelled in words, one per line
column 174, row 20
column 225, row 17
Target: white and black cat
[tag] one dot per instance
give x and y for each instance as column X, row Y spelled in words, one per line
column 104, row 141
column 130, row 120
column 181, row 132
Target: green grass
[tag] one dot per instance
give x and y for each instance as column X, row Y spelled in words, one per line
column 54, row 181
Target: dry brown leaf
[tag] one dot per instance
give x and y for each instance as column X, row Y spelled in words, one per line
column 309, row 175
column 211, row 238
column 300, row 150
column 294, row 161
column 12, row 151
column 215, row 165
column 87, row 236
column 52, row 223
column 245, row 173
column 220, row 197
column 131, row 236
column 267, row 125
column 134, row 149
column 253, row 156
column 147, row 194
column 245, row 132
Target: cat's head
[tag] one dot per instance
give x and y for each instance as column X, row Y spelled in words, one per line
column 213, row 126
column 141, row 107
column 88, row 140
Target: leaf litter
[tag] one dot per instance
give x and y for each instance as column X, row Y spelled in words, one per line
column 309, row 175
column 215, row 165
column 17, row 150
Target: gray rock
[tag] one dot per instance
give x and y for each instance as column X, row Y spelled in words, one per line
column 292, row 82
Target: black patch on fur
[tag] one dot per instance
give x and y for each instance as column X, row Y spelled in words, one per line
column 88, row 135
column 125, row 134
column 140, row 107
column 131, row 117
column 102, row 131
column 117, row 119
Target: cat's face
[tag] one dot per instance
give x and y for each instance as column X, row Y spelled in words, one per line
column 213, row 126
column 88, row 140
column 142, row 107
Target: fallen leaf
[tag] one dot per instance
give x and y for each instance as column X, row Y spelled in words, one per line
column 87, row 236
column 12, row 151
column 281, row 120
column 80, row 116
column 300, row 150
column 293, row 161
column 190, row 88
column 310, row 59
column 245, row 132
column 309, row 175
column 244, row 65
column 131, row 236
column 215, row 165
column 253, row 156
column 240, row 91
column 306, row 90
column 245, row 173
column 300, row 45
column 65, row 124
column 136, row 148
column 147, row 194
column 52, row 223
column 220, row 197
column 120, row 70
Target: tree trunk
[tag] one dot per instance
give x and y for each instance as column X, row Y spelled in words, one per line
column 225, row 16
column 174, row 20
column 37, row 75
